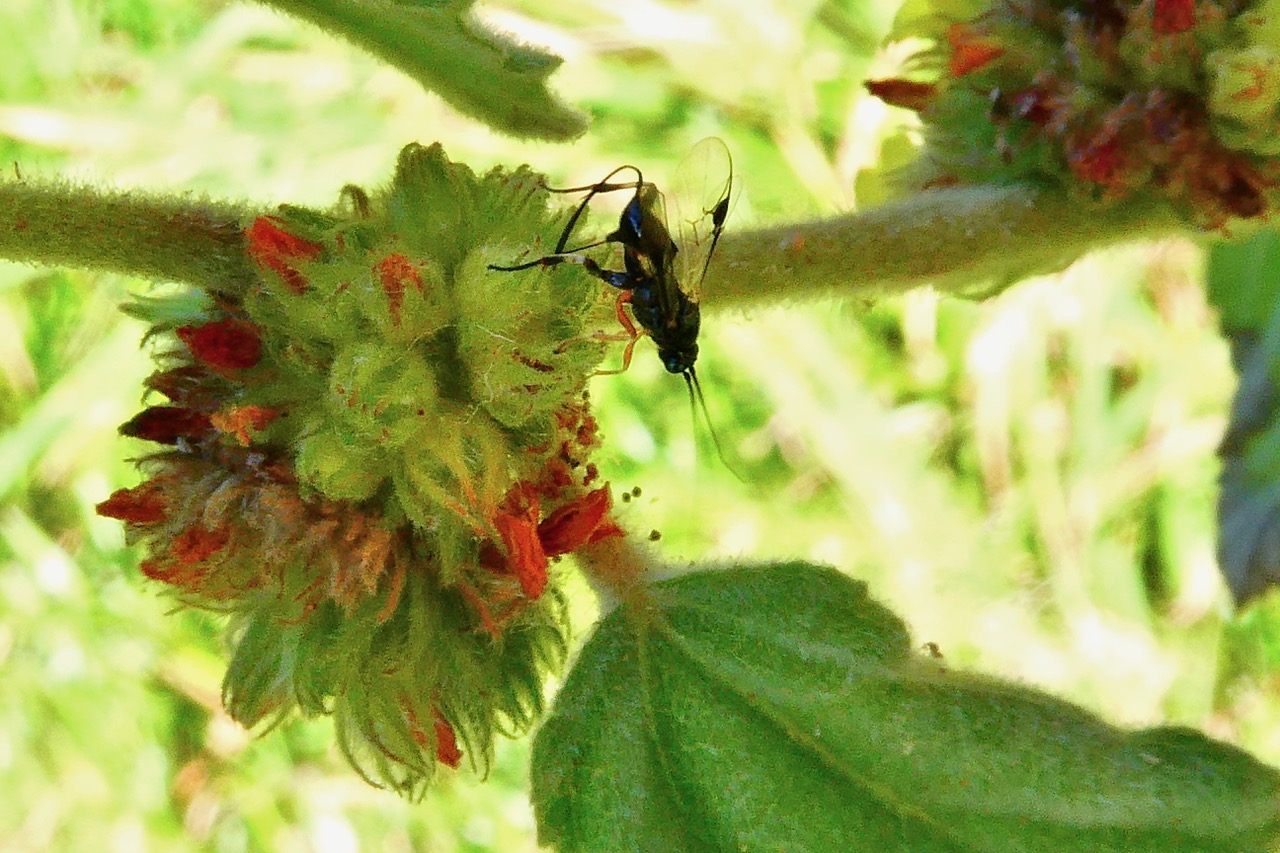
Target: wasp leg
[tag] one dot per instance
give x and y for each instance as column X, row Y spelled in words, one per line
column 592, row 191
column 602, row 187
column 570, row 257
column 614, row 278
column 631, row 335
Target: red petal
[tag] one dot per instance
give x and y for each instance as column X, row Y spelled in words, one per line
column 268, row 240
column 224, row 344
column 572, row 525
column 1099, row 162
column 179, row 383
column 1173, row 16
column 159, row 570
column 1032, row 104
column 907, row 94
column 447, row 751
column 166, row 424
column 525, row 554
column 607, row 530
column 197, row 544
column 139, row 505
column 517, row 524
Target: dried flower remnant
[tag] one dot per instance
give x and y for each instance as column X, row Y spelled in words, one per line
column 349, row 462
column 1175, row 100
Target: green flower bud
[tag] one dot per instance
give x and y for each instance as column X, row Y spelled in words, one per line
column 1244, row 94
column 328, row 463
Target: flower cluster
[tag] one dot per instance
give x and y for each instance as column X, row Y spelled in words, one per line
column 1166, row 99
column 369, row 457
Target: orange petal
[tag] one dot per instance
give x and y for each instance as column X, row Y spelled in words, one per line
column 970, row 51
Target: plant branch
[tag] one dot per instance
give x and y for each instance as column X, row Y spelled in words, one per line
column 164, row 238
column 954, row 239
column 442, row 46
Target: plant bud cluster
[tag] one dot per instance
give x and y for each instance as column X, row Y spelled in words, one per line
column 370, row 457
column 1176, row 100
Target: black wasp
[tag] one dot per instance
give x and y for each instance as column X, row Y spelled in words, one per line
column 660, row 282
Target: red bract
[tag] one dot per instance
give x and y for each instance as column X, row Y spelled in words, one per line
column 180, row 384
column 197, row 544
column 1173, row 16
column 576, row 523
column 1099, row 161
column 395, row 271
column 139, row 505
column 166, row 424
column 159, row 570
column 224, row 344
column 1032, row 104
column 517, row 523
column 272, row 247
column 907, row 94
column 447, row 751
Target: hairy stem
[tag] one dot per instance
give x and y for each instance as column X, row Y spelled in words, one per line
column 954, row 239
column 618, row 569
column 164, row 238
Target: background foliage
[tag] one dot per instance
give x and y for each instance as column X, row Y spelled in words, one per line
column 1030, row 481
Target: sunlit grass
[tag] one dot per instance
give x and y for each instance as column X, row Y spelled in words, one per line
column 1029, row 480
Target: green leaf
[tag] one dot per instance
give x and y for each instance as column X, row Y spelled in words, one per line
column 442, row 46
column 1244, row 280
column 781, row 708
column 1244, row 285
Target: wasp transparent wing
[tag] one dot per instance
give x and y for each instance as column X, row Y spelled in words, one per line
column 700, row 194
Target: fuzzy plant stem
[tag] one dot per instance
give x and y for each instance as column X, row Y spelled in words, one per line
column 162, row 238
column 618, row 569
column 953, row 239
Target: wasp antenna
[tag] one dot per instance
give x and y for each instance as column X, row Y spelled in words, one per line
column 695, row 390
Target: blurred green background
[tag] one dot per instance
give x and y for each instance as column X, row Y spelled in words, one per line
column 1030, row 481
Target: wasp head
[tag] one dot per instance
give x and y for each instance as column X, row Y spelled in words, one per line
column 679, row 359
